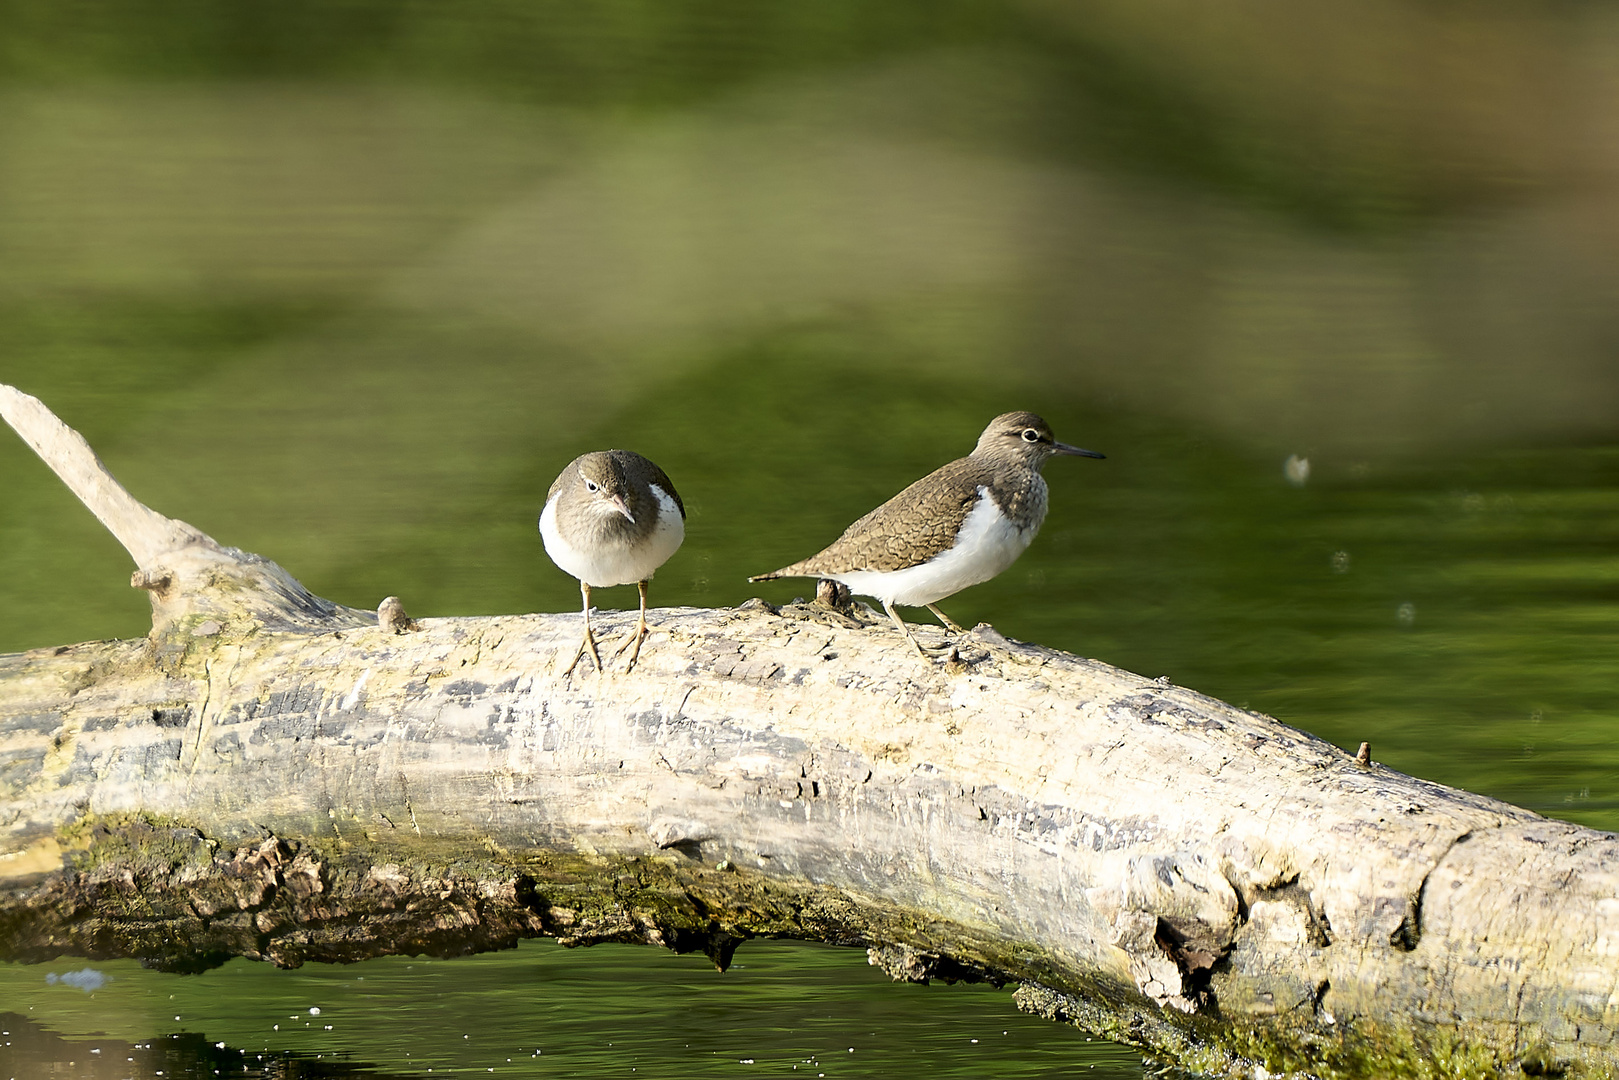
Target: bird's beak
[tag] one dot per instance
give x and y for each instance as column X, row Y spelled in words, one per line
column 1074, row 451
column 623, row 508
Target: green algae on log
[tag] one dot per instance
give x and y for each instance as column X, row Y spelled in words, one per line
column 271, row 775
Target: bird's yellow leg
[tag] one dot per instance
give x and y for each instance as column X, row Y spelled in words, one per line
column 639, row 635
column 900, row 623
column 949, row 623
column 589, row 639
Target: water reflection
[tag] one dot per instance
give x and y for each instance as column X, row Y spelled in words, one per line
column 32, row 1049
column 541, row 1011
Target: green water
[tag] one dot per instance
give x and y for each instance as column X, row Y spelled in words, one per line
column 348, row 285
column 783, row 1009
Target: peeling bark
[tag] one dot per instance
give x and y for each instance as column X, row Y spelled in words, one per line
column 271, row 775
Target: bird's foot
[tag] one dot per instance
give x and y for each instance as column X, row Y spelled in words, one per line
column 946, row 652
column 638, row 635
column 930, row 653
column 589, row 641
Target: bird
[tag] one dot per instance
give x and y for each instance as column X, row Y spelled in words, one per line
column 612, row 518
column 959, row 525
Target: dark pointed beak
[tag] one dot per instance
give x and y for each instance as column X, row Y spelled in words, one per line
column 1074, row 451
column 622, row 507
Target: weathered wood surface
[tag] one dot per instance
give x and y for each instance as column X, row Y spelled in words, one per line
column 271, row 775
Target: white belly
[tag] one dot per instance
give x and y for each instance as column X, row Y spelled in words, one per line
column 987, row 544
column 616, row 562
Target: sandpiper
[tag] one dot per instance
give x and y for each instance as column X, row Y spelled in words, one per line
column 612, row 518
column 957, row 526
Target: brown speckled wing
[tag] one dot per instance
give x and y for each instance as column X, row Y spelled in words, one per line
column 908, row 529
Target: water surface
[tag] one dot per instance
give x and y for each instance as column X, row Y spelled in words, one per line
column 782, row 1009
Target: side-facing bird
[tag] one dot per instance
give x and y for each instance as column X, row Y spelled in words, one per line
column 612, row 518
column 957, row 526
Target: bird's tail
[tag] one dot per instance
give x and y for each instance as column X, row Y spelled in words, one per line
column 797, row 569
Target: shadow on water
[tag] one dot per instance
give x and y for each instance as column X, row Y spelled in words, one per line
column 32, row 1049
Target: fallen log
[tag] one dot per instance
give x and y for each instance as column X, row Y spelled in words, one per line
column 271, row 775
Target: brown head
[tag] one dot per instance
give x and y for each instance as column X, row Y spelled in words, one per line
column 607, row 493
column 1024, row 437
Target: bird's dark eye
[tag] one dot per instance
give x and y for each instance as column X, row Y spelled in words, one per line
column 591, row 485
column 1031, row 435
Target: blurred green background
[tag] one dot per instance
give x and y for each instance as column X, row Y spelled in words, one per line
column 347, row 283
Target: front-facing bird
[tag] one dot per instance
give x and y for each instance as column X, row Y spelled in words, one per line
column 959, row 525
column 612, row 518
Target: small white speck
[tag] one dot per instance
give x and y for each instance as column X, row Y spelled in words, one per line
column 314, row 1010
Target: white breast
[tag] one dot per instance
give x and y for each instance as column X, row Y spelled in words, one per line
column 987, row 544
column 616, row 562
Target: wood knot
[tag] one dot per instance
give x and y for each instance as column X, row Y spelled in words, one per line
column 834, row 594
column 392, row 618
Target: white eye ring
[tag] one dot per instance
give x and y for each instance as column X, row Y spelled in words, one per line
column 1031, row 435
column 591, row 485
